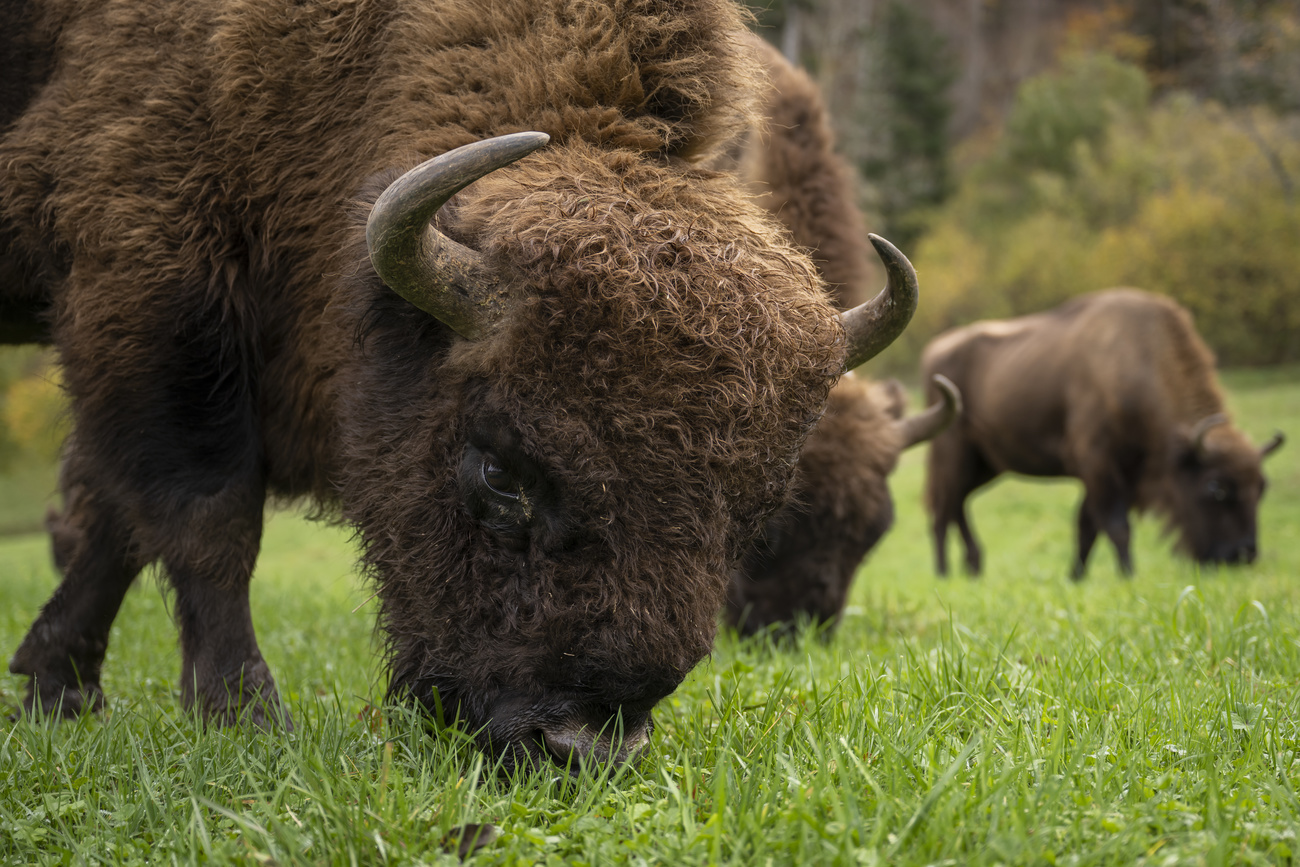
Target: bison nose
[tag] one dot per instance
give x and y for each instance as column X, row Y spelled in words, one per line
column 576, row 740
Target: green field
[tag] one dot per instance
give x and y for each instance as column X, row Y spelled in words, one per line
column 1015, row 719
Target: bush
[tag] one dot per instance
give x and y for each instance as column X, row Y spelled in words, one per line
column 1090, row 188
column 33, row 420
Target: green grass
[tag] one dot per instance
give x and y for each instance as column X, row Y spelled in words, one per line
column 1015, row 719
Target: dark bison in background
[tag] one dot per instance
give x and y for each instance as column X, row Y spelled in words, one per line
column 788, row 159
column 556, row 389
column 1115, row 389
column 802, row 565
column 840, row 507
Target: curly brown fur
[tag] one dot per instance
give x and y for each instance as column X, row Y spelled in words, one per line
column 1106, row 388
column 790, row 161
column 184, row 185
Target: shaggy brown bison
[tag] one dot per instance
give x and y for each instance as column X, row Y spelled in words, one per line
column 840, row 506
column 802, row 566
column 788, row 158
column 556, row 389
column 1115, row 389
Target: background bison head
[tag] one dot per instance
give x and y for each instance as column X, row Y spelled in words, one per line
column 551, row 510
column 840, row 506
column 1215, row 488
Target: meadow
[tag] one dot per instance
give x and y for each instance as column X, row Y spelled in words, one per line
column 1016, row 719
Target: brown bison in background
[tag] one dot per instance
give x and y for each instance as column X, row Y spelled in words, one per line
column 802, row 566
column 839, row 508
column 1115, row 389
column 556, row 389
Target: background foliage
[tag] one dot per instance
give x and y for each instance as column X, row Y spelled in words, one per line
column 1025, row 152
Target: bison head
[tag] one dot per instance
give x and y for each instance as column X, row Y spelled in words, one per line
column 840, row 506
column 551, row 497
column 1217, row 485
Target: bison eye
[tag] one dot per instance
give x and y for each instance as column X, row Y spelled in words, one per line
column 1217, row 492
column 499, row 479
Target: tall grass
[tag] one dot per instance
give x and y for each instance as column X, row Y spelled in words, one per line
column 1015, row 719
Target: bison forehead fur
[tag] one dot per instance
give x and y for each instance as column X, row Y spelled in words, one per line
column 184, row 193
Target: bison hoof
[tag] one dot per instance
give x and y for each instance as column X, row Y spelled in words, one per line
column 246, row 698
column 54, row 700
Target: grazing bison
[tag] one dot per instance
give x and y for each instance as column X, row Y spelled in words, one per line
column 788, row 159
column 840, row 506
column 803, row 563
column 1115, row 389
column 556, row 389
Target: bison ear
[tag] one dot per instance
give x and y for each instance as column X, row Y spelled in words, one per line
column 870, row 327
column 890, row 396
column 1272, row 445
column 440, row 276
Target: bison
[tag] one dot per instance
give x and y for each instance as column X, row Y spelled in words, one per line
column 1115, row 389
column 457, row 272
column 803, row 564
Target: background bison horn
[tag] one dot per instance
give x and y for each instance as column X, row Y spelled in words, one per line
column 929, row 424
column 872, row 326
column 1272, row 445
column 440, row 276
column 1202, row 428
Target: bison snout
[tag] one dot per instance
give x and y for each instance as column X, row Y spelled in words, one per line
column 577, row 741
column 1243, row 553
column 1232, row 554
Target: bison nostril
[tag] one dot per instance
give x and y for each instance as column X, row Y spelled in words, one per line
column 574, row 741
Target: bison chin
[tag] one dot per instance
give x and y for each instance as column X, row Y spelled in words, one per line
column 536, row 732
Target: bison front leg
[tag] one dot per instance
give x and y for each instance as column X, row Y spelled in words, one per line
column 63, row 651
column 222, row 669
column 1107, row 510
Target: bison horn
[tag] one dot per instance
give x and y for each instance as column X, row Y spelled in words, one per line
column 1202, row 428
column 929, row 424
column 1272, row 445
column 440, row 276
column 870, row 327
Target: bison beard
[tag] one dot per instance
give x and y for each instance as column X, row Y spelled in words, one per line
column 1115, row 389
column 548, row 498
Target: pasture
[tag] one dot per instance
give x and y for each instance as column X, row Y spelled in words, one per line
column 1015, row 719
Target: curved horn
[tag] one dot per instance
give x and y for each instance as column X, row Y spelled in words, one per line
column 1272, row 445
column 872, row 326
column 929, row 424
column 1202, row 428
column 440, row 276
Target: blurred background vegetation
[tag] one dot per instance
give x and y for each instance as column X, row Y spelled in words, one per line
column 1024, row 151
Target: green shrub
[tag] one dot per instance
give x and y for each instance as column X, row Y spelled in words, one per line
column 1086, row 191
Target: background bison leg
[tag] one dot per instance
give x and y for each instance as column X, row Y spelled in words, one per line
column 1087, row 535
column 1104, row 508
column 974, row 555
column 954, row 470
column 65, row 647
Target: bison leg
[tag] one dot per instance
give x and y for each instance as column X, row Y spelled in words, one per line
column 222, row 669
column 974, row 556
column 955, row 470
column 1108, row 512
column 1087, row 528
column 65, row 647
